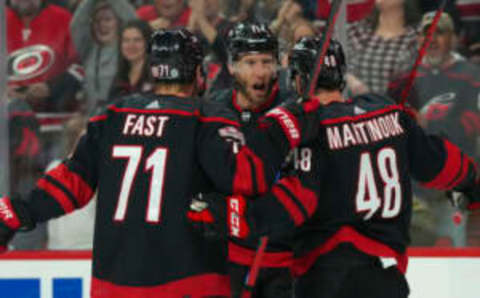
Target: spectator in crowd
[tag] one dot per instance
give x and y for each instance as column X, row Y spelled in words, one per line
column 165, row 14
column 208, row 23
column 469, row 13
column 380, row 45
column 95, row 28
column 133, row 73
column 41, row 56
column 445, row 94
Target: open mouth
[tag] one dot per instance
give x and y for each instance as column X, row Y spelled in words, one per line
column 260, row 87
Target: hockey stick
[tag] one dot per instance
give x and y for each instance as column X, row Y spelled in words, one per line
column 332, row 18
column 421, row 52
column 252, row 275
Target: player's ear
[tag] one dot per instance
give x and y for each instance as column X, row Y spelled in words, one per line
column 201, row 80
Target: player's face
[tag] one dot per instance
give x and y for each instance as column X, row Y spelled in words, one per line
column 169, row 9
column 440, row 46
column 133, row 45
column 26, row 7
column 255, row 73
column 105, row 26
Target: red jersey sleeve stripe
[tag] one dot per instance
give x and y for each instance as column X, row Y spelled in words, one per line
column 97, row 118
column 220, row 120
column 306, row 197
column 57, row 194
column 450, row 170
column 242, row 181
column 259, row 171
column 290, row 206
column 81, row 191
column 464, row 170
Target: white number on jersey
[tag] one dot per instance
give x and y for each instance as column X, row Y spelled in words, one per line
column 367, row 198
column 155, row 163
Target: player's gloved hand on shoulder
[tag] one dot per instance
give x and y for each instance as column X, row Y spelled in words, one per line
column 298, row 121
column 14, row 216
column 218, row 216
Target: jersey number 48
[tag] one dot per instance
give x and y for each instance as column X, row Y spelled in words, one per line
column 367, row 198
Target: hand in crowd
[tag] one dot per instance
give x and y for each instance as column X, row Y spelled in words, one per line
column 198, row 13
column 159, row 23
column 356, row 86
column 38, row 91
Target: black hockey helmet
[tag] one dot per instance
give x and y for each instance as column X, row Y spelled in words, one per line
column 251, row 37
column 303, row 58
column 174, row 55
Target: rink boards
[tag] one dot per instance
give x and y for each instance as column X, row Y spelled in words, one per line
column 432, row 273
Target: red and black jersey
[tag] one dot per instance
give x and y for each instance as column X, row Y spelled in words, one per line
column 145, row 157
column 279, row 251
column 447, row 100
column 354, row 181
column 43, row 52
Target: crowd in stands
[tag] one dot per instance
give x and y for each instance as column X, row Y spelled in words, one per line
column 69, row 58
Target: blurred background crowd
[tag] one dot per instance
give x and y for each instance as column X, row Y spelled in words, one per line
column 68, row 58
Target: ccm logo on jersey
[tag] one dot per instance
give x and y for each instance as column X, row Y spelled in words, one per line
column 288, row 123
column 236, row 221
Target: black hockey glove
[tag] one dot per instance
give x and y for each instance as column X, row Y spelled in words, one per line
column 13, row 217
column 297, row 121
column 217, row 216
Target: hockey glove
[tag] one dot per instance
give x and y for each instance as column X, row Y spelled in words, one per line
column 13, row 216
column 221, row 217
column 298, row 122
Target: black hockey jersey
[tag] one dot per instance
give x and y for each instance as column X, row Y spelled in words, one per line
column 146, row 156
column 447, row 100
column 353, row 182
column 278, row 252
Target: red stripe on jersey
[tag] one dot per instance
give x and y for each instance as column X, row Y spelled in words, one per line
column 304, row 195
column 259, row 171
column 289, row 205
column 242, row 180
column 199, row 286
column 73, row 182
column 245, row 256
column 361, row 116
column 57, row 194
column 97, row 118
column 347, row 234
column 220, row 120
column 152, row 111
column 450, row 169
column 465, row 167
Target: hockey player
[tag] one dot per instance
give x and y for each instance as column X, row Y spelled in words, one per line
column 145, row 156
column 351, row 199
column 253, row 60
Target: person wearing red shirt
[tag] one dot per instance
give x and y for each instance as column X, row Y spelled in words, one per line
column 165, row 14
